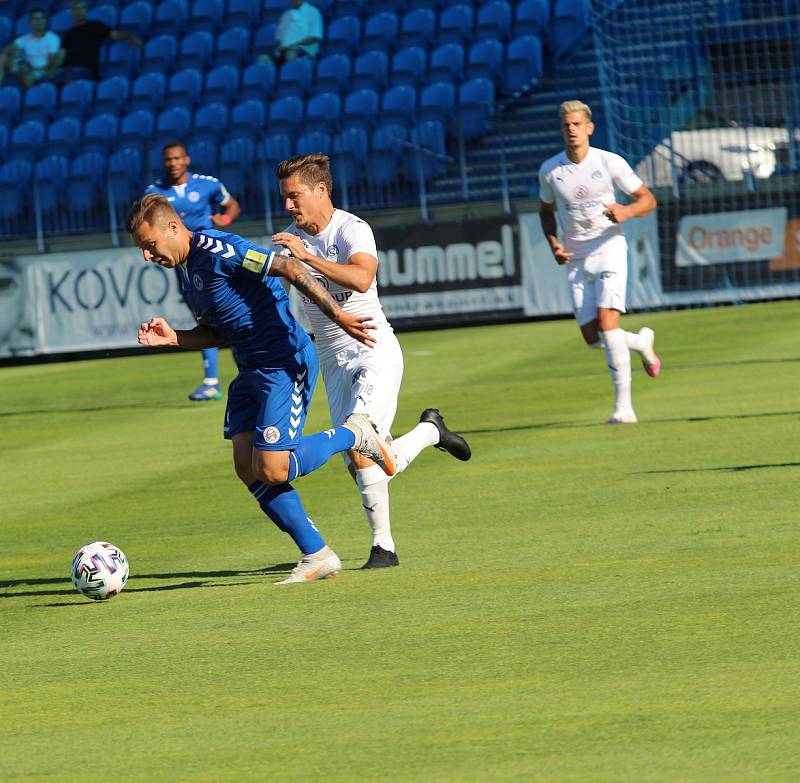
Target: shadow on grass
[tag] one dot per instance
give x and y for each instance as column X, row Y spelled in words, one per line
column 724, row 469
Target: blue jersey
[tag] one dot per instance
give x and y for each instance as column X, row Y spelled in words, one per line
column 226, row 284
column 194, row 201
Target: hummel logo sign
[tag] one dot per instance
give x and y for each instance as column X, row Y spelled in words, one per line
column 215, row 246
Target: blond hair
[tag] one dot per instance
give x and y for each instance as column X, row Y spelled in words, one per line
column 312, row 169
column 147, row 209
column 569, row 107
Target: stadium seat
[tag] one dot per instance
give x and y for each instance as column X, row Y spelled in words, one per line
column 148, row 92
column 380, row 32
column 87, row 174
column 196, row 49
column 433, row 5
column 313, row 141
column 387, row 147
column 106, row 13
column 532, row 17
column 16, row 179
column 236, row 160
column 243, row 13
column 171, row 17
column 50, row 176
column 160, row 54
column 485, row 59
column 333, row 73
column 111, row 95
column 475, row 107
column 264, row 39
column 204, row 155
column 417, row 28
column 10, row 101
column 222, row 84
column 210, row 122
column 398, row 105
column 100, row 132
column 61, row 21
column 437, row 102
column 343, row 35
column 426, row 154
column 569, row 22
column 247, row 117
column 6, row 26
column 360, row 109
column 275, row 147
column 26, row 140
column 39, row 102
column 294, row 77
column 324, row 110
column 136, row 125
column 258, row 81
column 455, row 24
column 121, row 59
column 447, row 63
column 395, row 6
column 494, row 20
column 184, row 88
column 75, row 98
column 272, row 9
column 136, row 18
column 125, row 176
column 370, row 70
column 351, row 7
column 524, row 64
column 174, row 122
column 63, row 136
column 233, row 46
column 3, row 142
column 286, row 111
column 349, row 154
column 206, row 15
column 408, row 66
column 23, row 25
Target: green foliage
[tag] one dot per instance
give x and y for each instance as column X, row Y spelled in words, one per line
column 577, row 603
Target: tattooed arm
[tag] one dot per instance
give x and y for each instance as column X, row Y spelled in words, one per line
column 297, row 274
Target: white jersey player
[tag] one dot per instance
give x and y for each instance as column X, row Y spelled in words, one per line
column 577, row 193
column 340, row 250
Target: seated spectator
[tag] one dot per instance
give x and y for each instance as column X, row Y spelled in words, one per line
column 298, row 34
column 32, row 57
column 79, row 57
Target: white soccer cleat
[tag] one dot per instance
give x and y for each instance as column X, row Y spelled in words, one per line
column 311, row 570
column 369, row 443
column 622, row 417
column 650, row 361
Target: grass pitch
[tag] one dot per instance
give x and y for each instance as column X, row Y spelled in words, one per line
column 577, row 603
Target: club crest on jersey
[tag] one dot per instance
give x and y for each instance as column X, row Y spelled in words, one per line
column 193, row 197
column 597, row 174
column 581, row 191
column 332, row 251
column 272, row 435
column 323, row 281
column 197, row 282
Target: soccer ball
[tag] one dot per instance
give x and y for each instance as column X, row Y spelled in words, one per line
column 99, row 570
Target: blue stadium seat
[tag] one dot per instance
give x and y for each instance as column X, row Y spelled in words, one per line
column 425, row 156
column 174, row 122
column 210, row 122
column 275, row 147
column 236, row 160
column 370, row 70
column 387, row 147
column 106, row 13
column 380, row 32
column 184, row 88
column 100, row 132
column 204, row 155
column 75, row 98
column 6, row 27
column 148, row 92
column 569, row 22
column 39, row 102
column 136, row 125
column 136, row 18
column 247, row 117
column 350, row 7
column 222, row 84
column 395, row 6
column 313, row 141
column 86, row 176
column 288, row 111
column 294, row 77
column 50, row 176
column 350, row 149
column 417, row 28
column 324, row 110
column 343, row 35
column 196, row 49
column 532, row 17
column 10, row 101
column 360, row 109
column 455, row 24
column 447, row 63
column 494, row 20
column 26, row 140
column 22, row 25
column 111, row 95
column 171, row 16
column 243, row 13
column 437, row 102
column 125, row 176
column 399, row 105
column 63, row 136
column 272, row 9
column 60, row 21
column 206, row 15
column 485, row 59
column 16, row 181
column 433, row 5
column 408, row 66
column 524, row 64
column 264, row 39
column 233, row 46
column 333, row 73
column 160, row 54
column 121, row 59
column 258, row 81
column 475, row 107
column 3, row 141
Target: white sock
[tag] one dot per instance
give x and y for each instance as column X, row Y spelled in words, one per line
column 635, row 341
column 619, row 364
column 408, row 446
column 211, row 381
column 374, row 488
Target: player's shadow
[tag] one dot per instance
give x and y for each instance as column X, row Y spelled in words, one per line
column 723, row 469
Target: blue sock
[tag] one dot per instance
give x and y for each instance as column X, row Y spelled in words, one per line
column 282, row 504
column 210, row 362
column 314, row 451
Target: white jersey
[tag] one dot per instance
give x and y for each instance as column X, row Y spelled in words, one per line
column 343, row 237
column 580, row 192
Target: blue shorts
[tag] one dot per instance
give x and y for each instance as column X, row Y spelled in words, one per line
column 273, row 402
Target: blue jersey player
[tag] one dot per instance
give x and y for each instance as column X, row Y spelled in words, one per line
column 201, row 202
column 234, row 290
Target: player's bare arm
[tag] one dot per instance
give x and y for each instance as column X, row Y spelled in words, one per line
column 293, row 270
column 158, row 333
column 547, row 217
column 231, row 210
column 643, row 202
column 357, row 274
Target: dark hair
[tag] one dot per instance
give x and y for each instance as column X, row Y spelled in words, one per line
column 312, row 169
column 146, row 208
column 174, row 143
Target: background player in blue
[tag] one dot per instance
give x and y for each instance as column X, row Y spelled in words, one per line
column 234, row 290
column 201, row 202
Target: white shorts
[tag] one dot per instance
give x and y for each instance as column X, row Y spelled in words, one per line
column 603, row 286
column 365, row 380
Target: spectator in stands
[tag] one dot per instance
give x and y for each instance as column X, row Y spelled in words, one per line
column 79, row 57
column 201, row 202
column 32, row 57
column 298, row 34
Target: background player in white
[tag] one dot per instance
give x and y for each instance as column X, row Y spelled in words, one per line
column 340, row 249
column 577, row 186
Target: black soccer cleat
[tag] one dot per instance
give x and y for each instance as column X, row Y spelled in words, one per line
column 381, row 558
column 451, row 442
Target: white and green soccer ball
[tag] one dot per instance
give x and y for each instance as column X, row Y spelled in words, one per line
column 99, row 570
